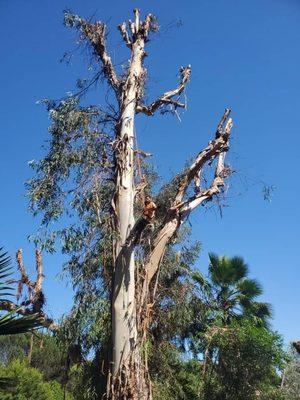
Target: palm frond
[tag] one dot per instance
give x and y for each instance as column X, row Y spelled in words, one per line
column 227, row 271
column 4, row 259
column 261, row 309
column 239, row 267
column 11, row 323
column 215, row 268
column 5, row 272
column 199, row 278
column 250, row 288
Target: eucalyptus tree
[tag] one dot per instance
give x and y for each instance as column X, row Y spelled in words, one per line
column 92, row 173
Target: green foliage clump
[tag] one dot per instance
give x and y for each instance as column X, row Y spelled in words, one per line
column 243, row 361
column 174, row 378
column 48, row 355
column 29, row 384
column 291, row 378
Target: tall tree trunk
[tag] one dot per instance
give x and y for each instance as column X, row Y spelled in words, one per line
column 126, row 352
column 29, row 357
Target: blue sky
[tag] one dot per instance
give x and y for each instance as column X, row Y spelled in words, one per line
column 244, row 55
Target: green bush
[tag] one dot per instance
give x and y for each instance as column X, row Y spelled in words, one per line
column 28, row 384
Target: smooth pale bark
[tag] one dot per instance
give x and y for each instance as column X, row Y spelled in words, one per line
column 123, row 305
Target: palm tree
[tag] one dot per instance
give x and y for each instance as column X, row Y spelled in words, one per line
column 230, row 294
column 226, row 295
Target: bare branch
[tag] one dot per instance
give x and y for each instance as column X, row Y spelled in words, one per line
column 96, row 35
column 39, row 271
column 34, row 303
column 218, row 183
column 215, row 147
column 168, row 97
column 24, row 277
column 125, row 35
column 181, row 208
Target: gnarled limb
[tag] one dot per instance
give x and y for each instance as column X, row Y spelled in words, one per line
column 168, row 97
column 181, row 208
column 36, row 299
column 214, row 147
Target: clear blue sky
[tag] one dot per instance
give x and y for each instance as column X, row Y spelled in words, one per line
column 244, row 54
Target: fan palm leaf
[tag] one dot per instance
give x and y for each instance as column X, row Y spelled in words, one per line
column 5, row 272
column 11, row 323
column 231, row 293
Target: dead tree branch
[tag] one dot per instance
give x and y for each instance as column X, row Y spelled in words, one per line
column 181, row 208
column 125, row 35
column 168, row 97
column 35, row 299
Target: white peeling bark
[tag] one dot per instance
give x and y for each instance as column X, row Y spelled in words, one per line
column 123, row 316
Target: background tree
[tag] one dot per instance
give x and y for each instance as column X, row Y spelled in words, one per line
column 47, row 353
column 29, row 384
column 245, row 359
column 290, row 380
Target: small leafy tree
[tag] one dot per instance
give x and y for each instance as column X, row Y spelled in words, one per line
column 291, row 376
column 47, row 354
column 29, row 384
column 245, row 359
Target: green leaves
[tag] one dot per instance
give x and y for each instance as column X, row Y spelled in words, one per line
column 250, row 288
column 225, row 271
column 27, row 383
column 229, row 291
column 7, row 384
column 248, row 357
